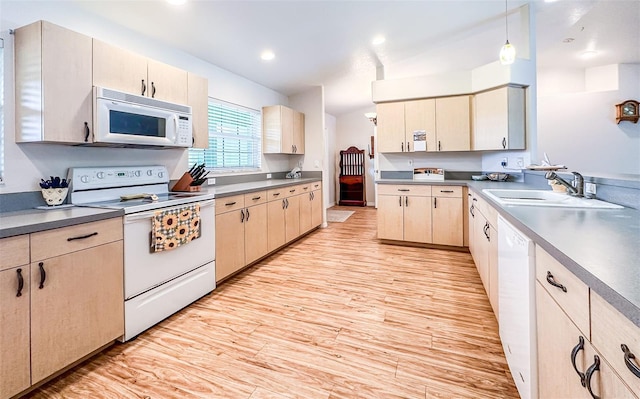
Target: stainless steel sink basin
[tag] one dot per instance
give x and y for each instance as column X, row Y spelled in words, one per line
column 545, row 198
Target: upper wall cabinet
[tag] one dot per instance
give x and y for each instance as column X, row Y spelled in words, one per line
column 441, row 124
column 53, row 84
column 282, row 130
column 198, row 99
column 119, row 69
column 499, row 119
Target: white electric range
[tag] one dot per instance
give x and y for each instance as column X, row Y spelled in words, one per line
column 156, row 284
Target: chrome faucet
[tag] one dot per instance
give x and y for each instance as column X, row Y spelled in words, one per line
column 576, row 189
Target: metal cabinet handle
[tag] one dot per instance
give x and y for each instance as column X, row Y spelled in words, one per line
column 446, row 191
column 404, row 189
column 504, row 142
column 592, row 369
column 408, row 147
column 248, row 214
column 283, row 204
column 43, row 275
column 402, row 146
column 400, row 200
column 286, row 199
column 20, row 282
column 550, row 280
column 95, row 233
column 406, row 200
column 628, row 357
column 276, row 194
column 241, row 215
column 153, row 90
column 439, row 146
column 486, row 231
column 574, row 355
column 435, row 202
column 305, row 188
column 230, row 203
column 292, row 191
column 86, row 132
column 473, row 215
column 256, row 198
column 144, row 88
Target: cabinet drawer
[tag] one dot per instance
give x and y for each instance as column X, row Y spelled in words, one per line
column 294, row 190
column 573, row 296
column 228, row 204
column 15, row 251
column 305, row 188
column 405, row 189
column 50, row 243
column 259, row 197
column 277, row 193
column 609, row 331
column 317, row 185
column 447, row 191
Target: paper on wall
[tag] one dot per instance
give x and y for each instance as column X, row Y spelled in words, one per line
column 419, row 140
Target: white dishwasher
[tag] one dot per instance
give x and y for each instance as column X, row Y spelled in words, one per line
column 517, row 306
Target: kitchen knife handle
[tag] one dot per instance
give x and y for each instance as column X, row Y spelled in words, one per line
column 589, row 373
column 144, row 88
column 574, row 355
column 95, row 233
column 20, row 282
column 43, row 275
column 628, row 357
column 551, row 281
column 86, row 132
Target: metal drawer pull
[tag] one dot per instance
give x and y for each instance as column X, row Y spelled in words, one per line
column 574, row 355
column 283, row 204
column 230, row 203
column 404, row 189
column 20, row 282
column 86, row 132
column 592, row 369
column 435, row 202
column 475, row 199
column 241, row 215
column 400, row 200
column 406, row 200
column 95, row 233
column 248, row 214
column 43, row 275
column 292, row 191
column 446, row 191
column 473, row 215
column 305, row 188
column 255, row 198
column 276, row 194
column 628, row 357
column 287, row 203
column 550, row 280
column 143, row 89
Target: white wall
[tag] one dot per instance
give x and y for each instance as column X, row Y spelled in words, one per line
column 26, row 164
column 330, row 127
column 576, row 119
column 355, row 129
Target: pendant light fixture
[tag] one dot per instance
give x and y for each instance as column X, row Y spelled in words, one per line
column 507, row 52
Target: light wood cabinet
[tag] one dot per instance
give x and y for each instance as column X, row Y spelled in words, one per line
column 123, row 70
column 404, row 213
column 305, row 209
column 316, row 204
column 282, row 130
column 390, row 127
column 53, row 78
column 198, row 99
column 275, row 223
column 76, row 307
column 453, row 123
column 499, row 119
column 255, row 233
column 15, row 288
column 292, row 218
column 447, row 215
column 310, row 206
column 420, row 116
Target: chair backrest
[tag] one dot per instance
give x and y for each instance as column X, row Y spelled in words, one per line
column 352, row 162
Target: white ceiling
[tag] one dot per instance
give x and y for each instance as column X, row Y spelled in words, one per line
column 329, row 42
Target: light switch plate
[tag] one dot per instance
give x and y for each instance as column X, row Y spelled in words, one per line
column 268, row 175
column 590, row 188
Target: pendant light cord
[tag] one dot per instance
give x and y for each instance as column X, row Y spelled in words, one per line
column 506, row 20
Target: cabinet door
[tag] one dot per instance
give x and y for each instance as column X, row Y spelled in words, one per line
column 292, row 218
column 119, row 69
column 471, row 214
column 305, row 212
column 298, row 132
column 316, row 208
column 493, row 269
column 229, row 243
column 417, row 219
column 53, row 84
column 277, row 130
column 447, row 221
column 198, row 99
column 286, row 130
column 481, row 248
column 557, row 337
column 79, row 308
column 391, row 127
column 420, row 115
column 390, row 217
column 167, row 82
column 14, row 332
column 275, row 224
column 255, row 233
column 490, row 127
column 453, row 123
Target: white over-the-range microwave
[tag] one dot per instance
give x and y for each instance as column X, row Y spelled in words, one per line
column 128, row 120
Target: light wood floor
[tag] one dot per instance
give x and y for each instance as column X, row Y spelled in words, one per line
column 335, row 315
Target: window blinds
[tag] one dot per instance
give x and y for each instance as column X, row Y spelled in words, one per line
column 234, row 139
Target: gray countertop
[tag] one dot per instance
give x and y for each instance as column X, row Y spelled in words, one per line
column 33, row 220
column 599, row 246
column 228, row 190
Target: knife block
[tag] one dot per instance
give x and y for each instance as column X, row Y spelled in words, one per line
column 184, row 184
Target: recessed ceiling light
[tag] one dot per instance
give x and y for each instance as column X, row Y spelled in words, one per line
column 588, row 54
column 378, row 40
column 267, row 55
column 176, row 2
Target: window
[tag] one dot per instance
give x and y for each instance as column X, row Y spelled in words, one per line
column 234, row 139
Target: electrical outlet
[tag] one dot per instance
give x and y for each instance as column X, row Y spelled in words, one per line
column 411, row 162
column 590, row 188
column 300, row 164
column 211, row 181
column 520, row 162
column 505, row 162
column 268, row 175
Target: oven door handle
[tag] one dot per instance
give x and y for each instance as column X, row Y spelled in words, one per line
column 149, row 214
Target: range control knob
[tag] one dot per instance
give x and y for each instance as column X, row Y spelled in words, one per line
column 160, row 174
column 84, row 179
column 100, row 175
column 149, row 172
column 137, row 173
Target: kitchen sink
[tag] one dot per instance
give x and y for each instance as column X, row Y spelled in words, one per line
column 545, row 198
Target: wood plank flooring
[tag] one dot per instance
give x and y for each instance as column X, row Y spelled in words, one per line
column 335, row 315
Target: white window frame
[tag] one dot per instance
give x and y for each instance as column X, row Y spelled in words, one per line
column 231, row 128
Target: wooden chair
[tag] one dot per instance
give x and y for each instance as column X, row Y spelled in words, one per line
column 352, row 177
